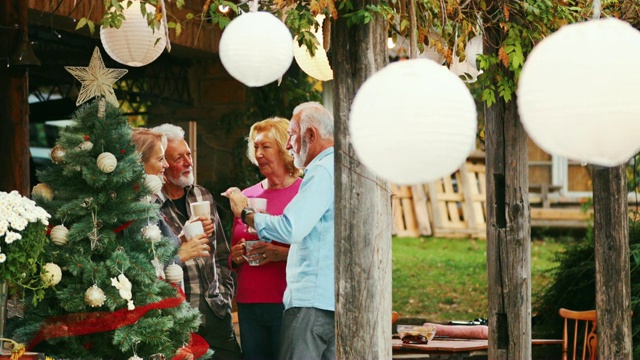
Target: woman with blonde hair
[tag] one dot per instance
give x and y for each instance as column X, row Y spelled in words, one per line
column 261, row 287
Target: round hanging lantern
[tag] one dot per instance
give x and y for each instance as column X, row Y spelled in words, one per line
column 402, row 48
column 472, row 50
column 577, row 95
column 413, row 122
column 316, row 66
column 134, row 43
column 465, row 70
column 256, row 48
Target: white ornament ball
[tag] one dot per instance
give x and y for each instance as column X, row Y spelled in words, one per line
column 174, row 273
column 413, row 122
column 43, row 190
column 59, row 235
column 316, row 66
column 134, row 43
column 51, row 274
column 135, row 357
column 577, row 94
column 107, row 162
column 94, row 296
column 154, row 183
column 85, row 146
column 152, row 233
column 256, row 48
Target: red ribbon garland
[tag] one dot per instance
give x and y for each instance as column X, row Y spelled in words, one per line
column 123, row 226
column 198, row 346
column 89, row 323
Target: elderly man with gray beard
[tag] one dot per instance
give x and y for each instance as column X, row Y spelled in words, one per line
column 208, row 282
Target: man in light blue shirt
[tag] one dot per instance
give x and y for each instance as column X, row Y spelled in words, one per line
column 308, row 330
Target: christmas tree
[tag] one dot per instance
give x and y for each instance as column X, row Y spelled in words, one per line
column 107, row 298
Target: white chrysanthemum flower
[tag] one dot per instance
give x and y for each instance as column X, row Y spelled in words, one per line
column 12, row 236
column 19, row 223
column 3, row 258
column 4, row 226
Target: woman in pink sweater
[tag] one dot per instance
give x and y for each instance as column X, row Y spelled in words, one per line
column 261, row 287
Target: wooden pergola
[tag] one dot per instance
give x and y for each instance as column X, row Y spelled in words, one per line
column 363, row 309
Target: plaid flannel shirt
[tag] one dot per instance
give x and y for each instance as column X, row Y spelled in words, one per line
column 210, row 276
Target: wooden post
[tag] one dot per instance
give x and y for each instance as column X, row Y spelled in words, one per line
column 363, row 219
column 508, row 226
column 14, row 104
column 611, row 244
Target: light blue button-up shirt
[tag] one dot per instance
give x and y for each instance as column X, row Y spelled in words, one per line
column 307, row 224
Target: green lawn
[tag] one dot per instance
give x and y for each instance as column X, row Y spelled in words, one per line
column 446, row 279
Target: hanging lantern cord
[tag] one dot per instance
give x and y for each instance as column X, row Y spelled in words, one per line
column 413, row 41
column 597, row 9
column 253, row 5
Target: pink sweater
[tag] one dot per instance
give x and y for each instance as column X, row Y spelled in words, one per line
column 265, row 283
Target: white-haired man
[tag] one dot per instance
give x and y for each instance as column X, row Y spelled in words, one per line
column 308, row 330
column 208, row 282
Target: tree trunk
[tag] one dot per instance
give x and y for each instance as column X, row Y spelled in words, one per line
column 14, row 104
column 613, row 292
column 363, row 205
column 508, row 227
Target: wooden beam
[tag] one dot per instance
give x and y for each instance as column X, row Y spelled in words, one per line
column 14, row 105
column 195, row 34
column 611, row 247
column 508, row 226
column 362, row 204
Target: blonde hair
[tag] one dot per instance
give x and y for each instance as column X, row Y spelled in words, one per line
column 145, row 140
column 278, row 130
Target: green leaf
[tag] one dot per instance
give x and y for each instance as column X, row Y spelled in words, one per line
column 92, row 26
column 81, row 23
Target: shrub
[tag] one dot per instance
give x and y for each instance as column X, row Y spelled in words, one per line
column 573, row 287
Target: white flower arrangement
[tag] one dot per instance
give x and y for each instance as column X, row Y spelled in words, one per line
column 16, row 212
column 22, row 239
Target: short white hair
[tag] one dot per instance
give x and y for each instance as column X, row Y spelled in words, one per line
column 172, row 132
column 312, row 113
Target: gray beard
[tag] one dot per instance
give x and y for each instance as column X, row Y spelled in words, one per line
column 299, row 159
column 182, row 181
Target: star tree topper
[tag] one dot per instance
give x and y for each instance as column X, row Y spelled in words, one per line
column 96, row 79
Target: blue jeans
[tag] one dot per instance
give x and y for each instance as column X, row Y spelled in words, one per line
column 260, row 330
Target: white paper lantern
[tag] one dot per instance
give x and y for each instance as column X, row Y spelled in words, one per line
column 473, row 49
column 134, row 43
column 59, row 235
column 174, row 273
column 256, row 48
column 578, row 92
column 316, row 66
column 402, row 48
column 465, row 70
column 107, row 162
column 413, row 122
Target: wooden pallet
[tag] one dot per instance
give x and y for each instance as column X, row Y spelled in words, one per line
column 450, row 207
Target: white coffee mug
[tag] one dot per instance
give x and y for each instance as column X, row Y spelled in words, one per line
column 192, row 229
column 200, row 208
